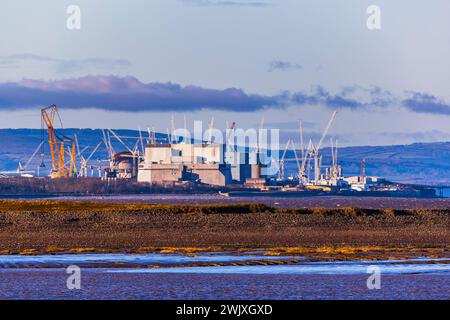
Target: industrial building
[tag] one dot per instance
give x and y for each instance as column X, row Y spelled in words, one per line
column 171, row 162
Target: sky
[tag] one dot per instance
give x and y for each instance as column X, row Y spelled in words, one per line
column 137, row 63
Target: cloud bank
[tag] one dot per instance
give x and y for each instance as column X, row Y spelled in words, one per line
column 129, row 94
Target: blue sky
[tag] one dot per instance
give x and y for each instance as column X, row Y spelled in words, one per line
column 139, row 61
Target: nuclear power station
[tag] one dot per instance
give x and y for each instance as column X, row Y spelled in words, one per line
column 172, row 159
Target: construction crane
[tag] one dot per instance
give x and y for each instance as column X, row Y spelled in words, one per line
column 84, row 161
column 141, row 140
column 317, row 161
column 362, row 178
column 57, row 144
column 335, row 170
column 259, row 156
column 307, row 160
column 152, row 135
column 282, row 167
column 108, row 145
column 297, row 161
column 133, row 153
column 23, row 169
column 210, row 131
column 301, row 173
column 231, row 155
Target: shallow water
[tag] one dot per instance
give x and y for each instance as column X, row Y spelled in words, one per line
column 400, row 279
column 99, row 284
column 330, row 268
column 153, row 258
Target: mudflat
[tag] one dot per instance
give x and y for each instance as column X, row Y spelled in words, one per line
column 31, row 227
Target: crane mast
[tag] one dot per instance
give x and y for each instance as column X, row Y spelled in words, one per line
column 317, row 161
column 57, row 150
column 282, row 167
column 48, row 117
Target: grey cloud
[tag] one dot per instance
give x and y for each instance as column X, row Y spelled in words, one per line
column 426, row 103
column 283, row 66
column 349, row 98
column 128, row 94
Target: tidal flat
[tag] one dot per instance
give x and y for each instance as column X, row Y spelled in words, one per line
column 55, row 226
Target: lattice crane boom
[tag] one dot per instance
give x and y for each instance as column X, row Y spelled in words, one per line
column 57, row 150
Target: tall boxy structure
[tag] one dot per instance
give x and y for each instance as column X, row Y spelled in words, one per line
column 178, row 161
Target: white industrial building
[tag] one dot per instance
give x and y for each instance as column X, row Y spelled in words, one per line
column 171, row 162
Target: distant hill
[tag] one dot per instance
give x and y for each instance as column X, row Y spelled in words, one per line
column 423, row 163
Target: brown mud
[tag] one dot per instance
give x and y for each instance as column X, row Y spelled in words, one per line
column 52, row 227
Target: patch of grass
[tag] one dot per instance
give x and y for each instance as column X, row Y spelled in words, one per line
column 76, row 206
column 28, row 252
column 347, row 250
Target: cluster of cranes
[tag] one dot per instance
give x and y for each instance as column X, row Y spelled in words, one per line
column 312, row 159
column 60, row 166
column 69, row 160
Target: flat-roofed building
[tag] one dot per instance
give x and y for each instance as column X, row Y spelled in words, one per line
column 180, row 162
column 213, row 174
column 160, row 173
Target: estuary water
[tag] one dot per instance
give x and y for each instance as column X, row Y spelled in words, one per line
column 176, row 276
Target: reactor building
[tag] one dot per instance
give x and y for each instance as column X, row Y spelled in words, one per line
column 203, row 163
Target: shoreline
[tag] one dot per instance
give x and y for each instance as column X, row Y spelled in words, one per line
column 324, row 201
column 262, row 256
column 312, row 251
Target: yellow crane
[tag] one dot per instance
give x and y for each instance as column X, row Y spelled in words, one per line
column 57, row 145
